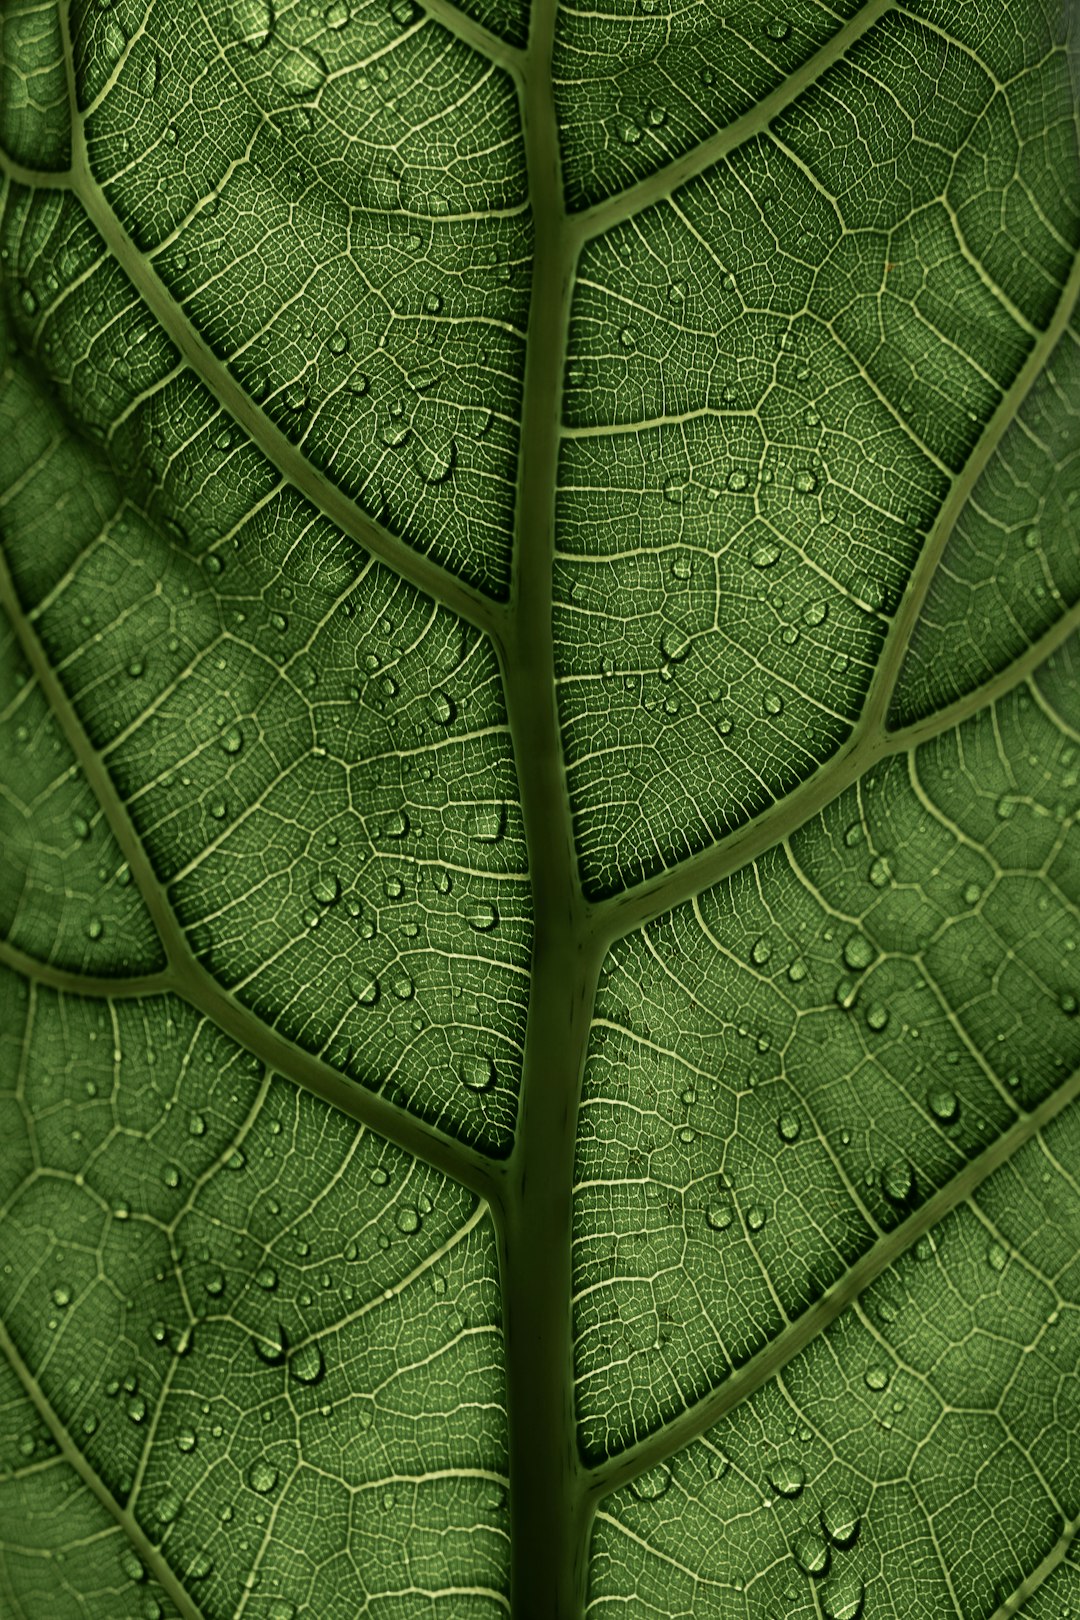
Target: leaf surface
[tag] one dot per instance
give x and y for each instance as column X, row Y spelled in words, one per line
column 539, row 785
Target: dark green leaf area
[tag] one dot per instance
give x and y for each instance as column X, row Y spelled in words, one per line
column 66, row 894
column 61, row 1551
column 273, row 1336
column 1012, row 564
column 638, row 85
column 918, row 1459
column 35, row 124
column 774, row 376
column 291, row 728
column 784, row 1069
column 341, row 213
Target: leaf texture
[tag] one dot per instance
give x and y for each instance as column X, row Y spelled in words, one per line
column 539, row 777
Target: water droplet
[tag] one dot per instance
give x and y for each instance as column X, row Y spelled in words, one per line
column 434, row 464
column 231, row 740
column 842, row 1596
column 673, row 491
column 718, row 1217
column 880, row 872
column 652, row 1483
column 772, row 703
column 408, row 1219
column 858, row 953
column 628, row 132
column 252, row 22
column 760, row 951
column 840, row 1520
column 778, row 28
column 443, row 708
column 262, row 1476
column 674, row 644
column 168, row 1507
column 815, row 613
column 1068, row 1003
column 186, row 1440
column 756, row 1217
column 402, row 987
column 300, row 72
column 789, row 1127
column 337, row 15
column 806, row 481
column 95, row 928
column 306, row 1364
column 477, row 1073
column 199, row 1566
column 325, row 888
column 877, row 1017
column 943, row 1104
column 403, row 12
column 810, row 1552
column 737, row 480
column 764, row 554
column 898, row 1181
column 396, row 825
column 787, row 1478
column 483, row 917
column 997, row 1257
column 271, row 1345
column 487, row 823
column 876, row 1378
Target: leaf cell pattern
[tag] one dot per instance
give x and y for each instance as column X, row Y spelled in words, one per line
column 539, row 781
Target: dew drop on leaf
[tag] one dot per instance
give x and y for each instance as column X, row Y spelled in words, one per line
column 306, row 1364
column 858, row 953
column 811, row 1553
column 840, row 1520
column 271, row 1344
column 408, row 1219
column 876, row 1378
column 477, row 1073
column 898, row 1181
column 718, row 1217
column 789, row 1126
column 483, row 917
column 842, row 1596
column 787, row 1477
column 943, row 1104
column 652, row 1483
column 252, row 22
column 262, row 1476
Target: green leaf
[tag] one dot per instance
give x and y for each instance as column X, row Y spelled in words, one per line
column 540, row 782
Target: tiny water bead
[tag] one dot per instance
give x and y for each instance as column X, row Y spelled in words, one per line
column 898, row 1181
column 477, row 1073
column 943, row 1104
column 787, row 1478
column 810, row 1552
column 876, row 1378
column 262, row 1476
column 651, row 1484
column 789, row 1127
column 840, row 1520
column 306, row 1364
column 719, row 1217
column 858, row 953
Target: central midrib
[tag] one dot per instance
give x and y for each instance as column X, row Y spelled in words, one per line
column 548, row 1505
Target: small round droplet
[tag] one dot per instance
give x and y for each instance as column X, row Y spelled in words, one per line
column 789, row 1127
column 443, row 708
column 810, row 1552
column 840, row 1520
column 880, row 872
column 806, row 481
column 652, row 1483
column 477, row 1073
column 876, row 1378
column 772, row 703
column 842, row 1596
column 231, row 740
column 778, row 28
column 262, row 1476
column 483, row 917
column 325, row 888
column 787, row 1477
column 718, row 1217
column 764, row 554
column 815, row 613
column 898, row 1181
column 756, row 1216
column 271, row 1345
column 306, row 1364
column 858, row 953
column 364, row 988
column 943, row 1104
column 674, row 644
column 408, row 1219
